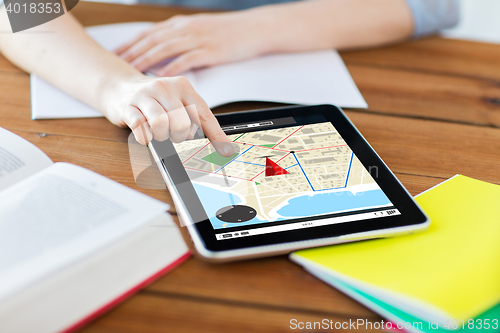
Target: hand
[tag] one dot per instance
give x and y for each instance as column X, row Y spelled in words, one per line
column 163, row 108
column 196, row 41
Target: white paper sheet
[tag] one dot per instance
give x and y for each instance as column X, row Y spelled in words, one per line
column 300, row 78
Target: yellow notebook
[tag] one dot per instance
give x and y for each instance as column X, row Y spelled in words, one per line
column 451, row 271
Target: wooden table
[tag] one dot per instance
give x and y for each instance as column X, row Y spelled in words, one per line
column 434, row 112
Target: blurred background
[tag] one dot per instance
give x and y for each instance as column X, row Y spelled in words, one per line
column 479, row 20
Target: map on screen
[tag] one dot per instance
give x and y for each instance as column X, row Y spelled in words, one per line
column 279, row 174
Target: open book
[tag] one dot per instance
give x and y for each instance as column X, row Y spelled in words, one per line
column 299, row 78
column 72, row 242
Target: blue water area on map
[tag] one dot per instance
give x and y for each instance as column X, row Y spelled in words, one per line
column 321, row 203
column 213, row 200
column 324, row 203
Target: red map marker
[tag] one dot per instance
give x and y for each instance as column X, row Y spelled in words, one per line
column 273, row 169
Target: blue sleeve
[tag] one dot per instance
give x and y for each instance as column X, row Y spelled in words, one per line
column 430, row 16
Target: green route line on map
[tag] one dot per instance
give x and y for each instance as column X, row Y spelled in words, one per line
column 239, row 137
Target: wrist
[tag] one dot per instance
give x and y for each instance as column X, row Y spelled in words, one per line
column 276, row 27
column 114, row 92
column 293, row 27
column 271, row 32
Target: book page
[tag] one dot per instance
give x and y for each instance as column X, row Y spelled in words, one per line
column 61, row 215
column 19, row 159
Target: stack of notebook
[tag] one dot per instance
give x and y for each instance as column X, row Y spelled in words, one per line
column 447, row 278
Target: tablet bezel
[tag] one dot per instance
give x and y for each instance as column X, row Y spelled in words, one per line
column 411, row 215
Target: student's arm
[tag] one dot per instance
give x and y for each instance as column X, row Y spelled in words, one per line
column 210, row 39
column 62, row 53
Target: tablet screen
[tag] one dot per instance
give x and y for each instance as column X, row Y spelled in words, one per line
column 279, row 175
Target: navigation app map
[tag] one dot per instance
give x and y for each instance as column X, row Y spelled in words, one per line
column 279, row 174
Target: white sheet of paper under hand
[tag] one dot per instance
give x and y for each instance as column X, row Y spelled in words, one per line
column 299, row 78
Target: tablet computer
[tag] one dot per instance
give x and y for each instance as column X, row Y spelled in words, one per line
column 301, row 176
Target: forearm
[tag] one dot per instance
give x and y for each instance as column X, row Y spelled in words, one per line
column 333, row 24
column 62, row 53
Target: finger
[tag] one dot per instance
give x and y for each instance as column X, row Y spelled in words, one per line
column 195, row 119
column 146, row 43
column 154, row 28
column 192, row 131
column 191, row 108
column 139, row 48
column 156, row 116
column 136, row 121
column 193, row 59
column 196, row 109
column 200, row 114
column 166, row 93
column 162, row 51
column 212, row 130
column 180, row 124
column 124, row 47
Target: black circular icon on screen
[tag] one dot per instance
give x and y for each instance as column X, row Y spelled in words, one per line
column 236, row 213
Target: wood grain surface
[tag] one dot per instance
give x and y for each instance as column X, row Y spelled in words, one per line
column 434, row 112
